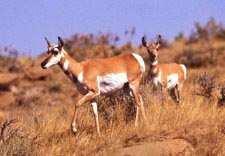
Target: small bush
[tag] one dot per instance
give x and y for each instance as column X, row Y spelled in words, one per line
column 195, row 57
column 221, row 101
column 192, row 58
column 56, row 86
column 121, row 101
column 15, row 140
column 206, row 84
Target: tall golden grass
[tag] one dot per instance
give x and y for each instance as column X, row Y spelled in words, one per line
column 197, row 120
column 43, row 115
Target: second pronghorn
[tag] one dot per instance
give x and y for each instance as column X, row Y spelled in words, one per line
column 168, row 76
column 99, row 76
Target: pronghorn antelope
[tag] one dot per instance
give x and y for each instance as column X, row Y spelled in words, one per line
column 167, row 76
column 98, row 76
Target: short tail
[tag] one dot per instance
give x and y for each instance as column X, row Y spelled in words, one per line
column 140, row 60
column 184, row 70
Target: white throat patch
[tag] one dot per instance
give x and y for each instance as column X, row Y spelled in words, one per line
column 157, row 79
column 66, row 64
column 80, row 77
column 154, row 70
column 155, row 62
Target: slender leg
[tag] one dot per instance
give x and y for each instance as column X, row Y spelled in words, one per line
column 139, row 104
column 127, row 89
column 89, row 96
column 137, row 116
column 178, row 87
column 95, row 110
column 164, row 92
column 142, row 109
column 173, row 94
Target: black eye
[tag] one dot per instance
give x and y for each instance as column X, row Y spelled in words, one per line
column 55, row 52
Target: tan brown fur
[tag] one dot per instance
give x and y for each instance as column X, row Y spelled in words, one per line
column 100, row 67
column 161, row 72
column 167, row 69
column 85, row 75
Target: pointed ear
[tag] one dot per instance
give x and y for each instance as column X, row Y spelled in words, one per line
column 158, row 42
column 144, row 43
column 50, row 44
column 60, row 42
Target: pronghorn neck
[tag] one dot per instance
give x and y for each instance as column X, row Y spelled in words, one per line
column 154, row 66
column 69, row 65
column 154, row 63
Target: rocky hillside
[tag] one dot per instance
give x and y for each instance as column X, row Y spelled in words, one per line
column 36, row 105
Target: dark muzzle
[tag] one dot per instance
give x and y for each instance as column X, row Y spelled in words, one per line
column 44, row 63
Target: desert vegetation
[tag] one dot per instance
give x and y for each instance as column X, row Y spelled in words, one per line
column 36, row 105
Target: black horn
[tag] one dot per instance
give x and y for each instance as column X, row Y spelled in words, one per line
column 48, row 42
column 159, row 39
column 144, row 43
column 60, row 42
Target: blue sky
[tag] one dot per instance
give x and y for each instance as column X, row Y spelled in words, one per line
column 24, row 24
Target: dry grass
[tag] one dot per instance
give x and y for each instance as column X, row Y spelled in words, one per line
column 44, row 105
column 195, row 121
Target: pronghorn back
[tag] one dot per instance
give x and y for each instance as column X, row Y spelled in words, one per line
column 112, row 73
column 97, row 76
column 127, row 63
column 172, row 70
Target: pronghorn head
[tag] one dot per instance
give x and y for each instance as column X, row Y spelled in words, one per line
column 55, row 53
column 152, row 48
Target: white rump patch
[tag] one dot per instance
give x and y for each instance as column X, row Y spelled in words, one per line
column 111, row 82
column 66, row 64
column 140, row 61
column 185, row 71
column 172, row 81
